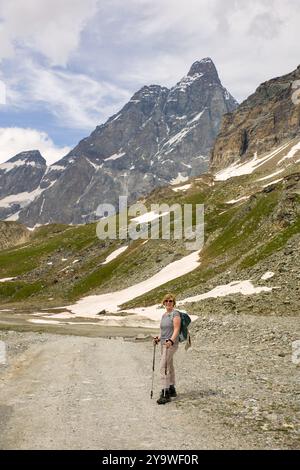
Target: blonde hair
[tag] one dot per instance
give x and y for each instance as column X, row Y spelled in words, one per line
column 169, row 297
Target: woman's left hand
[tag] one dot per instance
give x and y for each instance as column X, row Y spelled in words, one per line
column 168, row 344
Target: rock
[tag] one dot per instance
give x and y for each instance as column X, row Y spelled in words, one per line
column 102, row 312
column 12, row 233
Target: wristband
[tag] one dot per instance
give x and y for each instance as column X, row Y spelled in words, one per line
column 171, row 341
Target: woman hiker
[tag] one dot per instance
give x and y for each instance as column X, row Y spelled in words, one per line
column 169, row 339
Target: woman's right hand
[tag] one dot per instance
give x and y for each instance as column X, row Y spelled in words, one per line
column 156, row 340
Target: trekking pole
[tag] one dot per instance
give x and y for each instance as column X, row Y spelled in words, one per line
column 153, row 367
column 166, row 369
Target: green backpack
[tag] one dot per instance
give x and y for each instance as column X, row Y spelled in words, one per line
column 185, row 321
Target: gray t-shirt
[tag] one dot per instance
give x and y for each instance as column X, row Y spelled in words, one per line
column 167, row 327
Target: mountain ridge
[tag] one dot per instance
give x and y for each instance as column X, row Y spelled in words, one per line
column 161, row 135
column 267, row 118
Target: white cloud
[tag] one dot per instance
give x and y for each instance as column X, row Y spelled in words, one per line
column 2, row 92
column 16, row 139
column 157, row 40
column 51, row 27
column 76, row 99
column 98, row 53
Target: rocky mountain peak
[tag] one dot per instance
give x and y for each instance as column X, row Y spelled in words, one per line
column 150, row 89
column 19, row 177
column 160, row 136
column 29, row 156
column 204, row 67
column 148, row 93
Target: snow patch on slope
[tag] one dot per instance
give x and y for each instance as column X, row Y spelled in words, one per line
column 186, row 81
column 115, row 156
column 235, row 287
column 148, row 217
column 197, row 117
column 11, row 165
column 6, row 279
column 246, row 168
column 22, row 199
column 233, row 201
column 291, row 153
column 115, row 254
column 179, row 179
column 89, row 306
column 270, row 176
column 267, row 275
column 272, row 182
column 182, row 188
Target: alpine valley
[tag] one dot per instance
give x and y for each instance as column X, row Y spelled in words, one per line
column 250, row 193
column 192, row 144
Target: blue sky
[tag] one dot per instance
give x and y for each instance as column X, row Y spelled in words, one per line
column 65, row 67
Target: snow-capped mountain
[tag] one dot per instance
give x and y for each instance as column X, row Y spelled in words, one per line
column 160, row 136
column 20, row 178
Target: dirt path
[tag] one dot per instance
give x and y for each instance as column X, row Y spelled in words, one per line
column 82, row 393
column 71, row 392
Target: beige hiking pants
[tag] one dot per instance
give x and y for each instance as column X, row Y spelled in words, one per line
column 167, row 371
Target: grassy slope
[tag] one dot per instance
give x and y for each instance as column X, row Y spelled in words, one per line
column 237, row 234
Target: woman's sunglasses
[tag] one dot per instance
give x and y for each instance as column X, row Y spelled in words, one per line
column 166, row 301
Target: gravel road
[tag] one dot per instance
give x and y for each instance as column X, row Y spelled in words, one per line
column 74, row 392
column 83, row 393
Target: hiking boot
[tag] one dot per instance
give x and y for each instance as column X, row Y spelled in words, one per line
column 172, row 391
column 164, row 397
